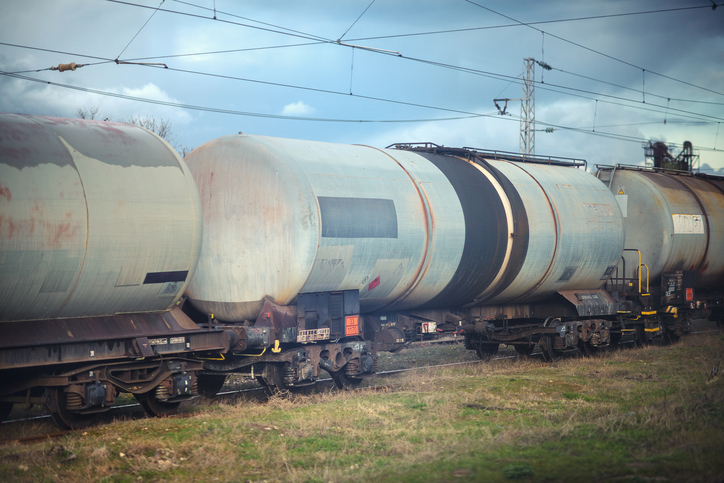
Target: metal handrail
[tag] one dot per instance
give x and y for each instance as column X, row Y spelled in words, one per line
column 469, row 152
column 616, row 280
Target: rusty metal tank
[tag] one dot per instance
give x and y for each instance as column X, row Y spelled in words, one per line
column 96, row 218
column 406, row 229
column 284, row 216
column 675, row 220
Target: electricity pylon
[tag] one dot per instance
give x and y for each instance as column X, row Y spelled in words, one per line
column 527, row 109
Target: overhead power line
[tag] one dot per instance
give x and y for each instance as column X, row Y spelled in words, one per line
column 637, row 104
column 598, row 52
column 296, row 118
column 193, row 15
column 650, row 94
column 518, row 24
column 255, row 114
column 550, row 87
column 322, row 40
column 249, row 20
column 477, row 72
column 281, row 30
column 139, row 30
column 355, row 22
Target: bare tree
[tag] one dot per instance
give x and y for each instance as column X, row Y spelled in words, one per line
column 161, row 127
column 87, row 112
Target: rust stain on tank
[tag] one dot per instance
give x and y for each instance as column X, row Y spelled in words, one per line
column 5, row 193
column 63, row 232
column 55, row 234
column 7, row 227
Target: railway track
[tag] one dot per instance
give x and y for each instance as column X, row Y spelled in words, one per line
column 221, row 394
column 260, row 389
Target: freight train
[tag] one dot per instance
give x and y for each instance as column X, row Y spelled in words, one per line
column 124, row 269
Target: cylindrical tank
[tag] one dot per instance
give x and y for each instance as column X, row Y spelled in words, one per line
column 96, row 218
column 676, row 221
column 574, row 232
column 283, row 217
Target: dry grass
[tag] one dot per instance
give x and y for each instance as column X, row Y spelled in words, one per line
column 632, row 414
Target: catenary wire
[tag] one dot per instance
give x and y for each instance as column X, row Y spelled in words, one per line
column 275, row 116
column 491, row 75
column 255, row 21
column 596, row 51
column 253, row 114
column 439, row 64
column 266, row 29
column 518, row 24
column 322, row 40
column 139, row 30
column 563, row 87
column 355, row 22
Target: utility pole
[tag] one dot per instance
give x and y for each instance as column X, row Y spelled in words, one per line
column 527, row 109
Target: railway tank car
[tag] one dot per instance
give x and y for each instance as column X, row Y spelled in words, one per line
column 100, row 234
column 673, row 266
column 517, row 249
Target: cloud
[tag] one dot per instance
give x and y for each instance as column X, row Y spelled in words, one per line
column 297, row 109
column 152, row 91
column 48, row 100
column 705, row 168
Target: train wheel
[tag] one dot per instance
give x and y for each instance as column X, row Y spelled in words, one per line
column 486, row 351
column 615, row 340
column 587, row 349
column 155, row 407
column 5, row 408
column 273, row 382
column 61, row 415
column 524, row 350
column 345, row 382
column 640, row 338
column 209, row 385
column 671, row 336
column 549, row 353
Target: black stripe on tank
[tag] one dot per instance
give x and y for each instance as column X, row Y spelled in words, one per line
column 521, row 232
column 486, row 232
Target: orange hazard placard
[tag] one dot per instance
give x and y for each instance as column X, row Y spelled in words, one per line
column 351, row 325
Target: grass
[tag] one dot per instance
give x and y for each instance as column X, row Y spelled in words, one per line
column 632, row 415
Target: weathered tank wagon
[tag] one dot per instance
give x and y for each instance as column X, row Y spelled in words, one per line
column 672, row 269
column 297, row 257
column 425, row 236
column 515, row 250
column 100, row 234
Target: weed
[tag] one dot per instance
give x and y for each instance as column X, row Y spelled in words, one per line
column 518, row 471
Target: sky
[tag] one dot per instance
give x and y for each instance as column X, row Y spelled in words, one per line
column 623, row 72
